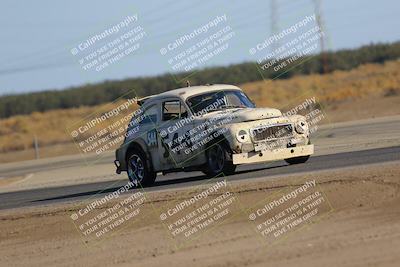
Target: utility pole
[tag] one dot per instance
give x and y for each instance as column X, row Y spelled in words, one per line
column 274, row 22
column 320, row 23
column 36, row 145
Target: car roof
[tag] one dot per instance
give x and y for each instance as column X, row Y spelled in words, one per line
column 187, row 92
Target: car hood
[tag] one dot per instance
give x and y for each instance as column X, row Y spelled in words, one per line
column 248, row 114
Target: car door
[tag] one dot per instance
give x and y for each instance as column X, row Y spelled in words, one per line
column 175, row 123
column 142, row 129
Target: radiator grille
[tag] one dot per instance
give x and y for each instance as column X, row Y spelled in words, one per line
column 273, row 132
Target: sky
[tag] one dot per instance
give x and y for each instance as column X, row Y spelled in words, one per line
column 38, row 37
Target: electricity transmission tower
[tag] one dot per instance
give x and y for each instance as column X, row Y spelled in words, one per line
column 320, row 22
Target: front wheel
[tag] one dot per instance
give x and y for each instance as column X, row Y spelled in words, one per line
column 218, row 160
column 297, row 160
column 139, row 172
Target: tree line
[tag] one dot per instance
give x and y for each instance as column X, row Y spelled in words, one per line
column 94, row 94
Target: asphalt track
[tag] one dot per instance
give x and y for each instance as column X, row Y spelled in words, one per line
column 177, row 180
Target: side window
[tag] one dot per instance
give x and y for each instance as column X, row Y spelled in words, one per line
column 149, row 115
column 171, row 110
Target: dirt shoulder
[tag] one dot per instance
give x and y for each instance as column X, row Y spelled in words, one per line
column 357, row 225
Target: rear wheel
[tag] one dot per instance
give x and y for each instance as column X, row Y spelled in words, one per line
column 139, row 172
column 218, row 160
column 297, row 160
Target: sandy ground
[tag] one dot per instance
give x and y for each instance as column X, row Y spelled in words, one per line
column 357, row 224
column 368, row 107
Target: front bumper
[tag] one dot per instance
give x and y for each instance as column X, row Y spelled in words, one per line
column 273, row 155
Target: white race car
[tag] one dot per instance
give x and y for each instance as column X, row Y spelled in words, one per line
column 211, row 128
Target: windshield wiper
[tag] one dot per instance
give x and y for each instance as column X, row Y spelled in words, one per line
column 223, row 107
column 232, row 106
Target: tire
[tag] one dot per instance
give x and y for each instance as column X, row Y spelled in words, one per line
column 218, row 160
column 297, row 160
column 138, row 170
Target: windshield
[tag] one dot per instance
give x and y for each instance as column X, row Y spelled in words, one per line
column 219, row 100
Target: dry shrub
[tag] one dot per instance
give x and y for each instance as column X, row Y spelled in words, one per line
column 17, row 132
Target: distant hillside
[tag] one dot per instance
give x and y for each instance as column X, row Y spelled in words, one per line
column 369, row 81
column 95, row 94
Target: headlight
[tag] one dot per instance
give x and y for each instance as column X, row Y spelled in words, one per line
column 301, row 126
column 242, row 136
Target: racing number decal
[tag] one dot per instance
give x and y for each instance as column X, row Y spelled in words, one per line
column 164, row 145
column 152, row 138
column 188, row 141
column 175, row 143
